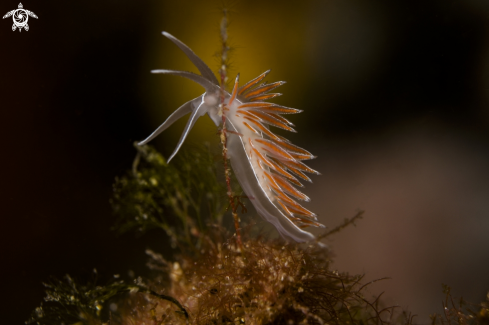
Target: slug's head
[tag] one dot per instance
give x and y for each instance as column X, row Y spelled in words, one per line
column 211, row 102
column 206, row 103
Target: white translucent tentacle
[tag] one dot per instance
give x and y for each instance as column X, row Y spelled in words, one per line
column 180, row 112
column 198, row 112
column 203, row 68
column 208, row 85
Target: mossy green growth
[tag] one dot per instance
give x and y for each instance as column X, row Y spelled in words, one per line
column 182, row 198
column 209, row 280
column 269, row 283
column 71, row 302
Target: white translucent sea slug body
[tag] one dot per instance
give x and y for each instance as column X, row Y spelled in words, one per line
column 265, row 164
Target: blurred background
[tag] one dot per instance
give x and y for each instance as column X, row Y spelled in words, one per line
column 396, row 107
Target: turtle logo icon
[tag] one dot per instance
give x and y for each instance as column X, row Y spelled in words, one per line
column 20, row 17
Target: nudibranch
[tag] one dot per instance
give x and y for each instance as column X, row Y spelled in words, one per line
column 266, row 165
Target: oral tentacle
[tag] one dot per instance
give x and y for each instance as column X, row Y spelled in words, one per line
column 203, row 68
column 198, row 112
column 176, row 115
column 208, row 85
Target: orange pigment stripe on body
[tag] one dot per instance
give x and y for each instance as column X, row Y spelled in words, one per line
column 287, row 200
column 286, row 187
column 265, row 130
column 274, row 149
column 275, row 167
column 251, row 128
column 284, row 207
column 300, row 174
column 259, row 163
column 283, row 138
column 275, row 109
column 299, row 210
column 257, row 104
column 296, row 208
column 264, row 88
column 284, row 143
column 261, row 127
column 247, row 113
column 312, row 223
column 265, row 118
column 273, row 188
column 264, row 97
column 279, row 169
column 250, row 118
column 301, row 157
column 289, row 177
column 253, row 82
column 294, row 170
column 302, row 220
column 264, row 106
column 301, row 224
column 271, row 183
column 300, row 166
column 263, row 159
column 235, row 90
column 281, row 119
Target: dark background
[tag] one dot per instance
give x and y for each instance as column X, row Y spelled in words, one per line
column 395, row 99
